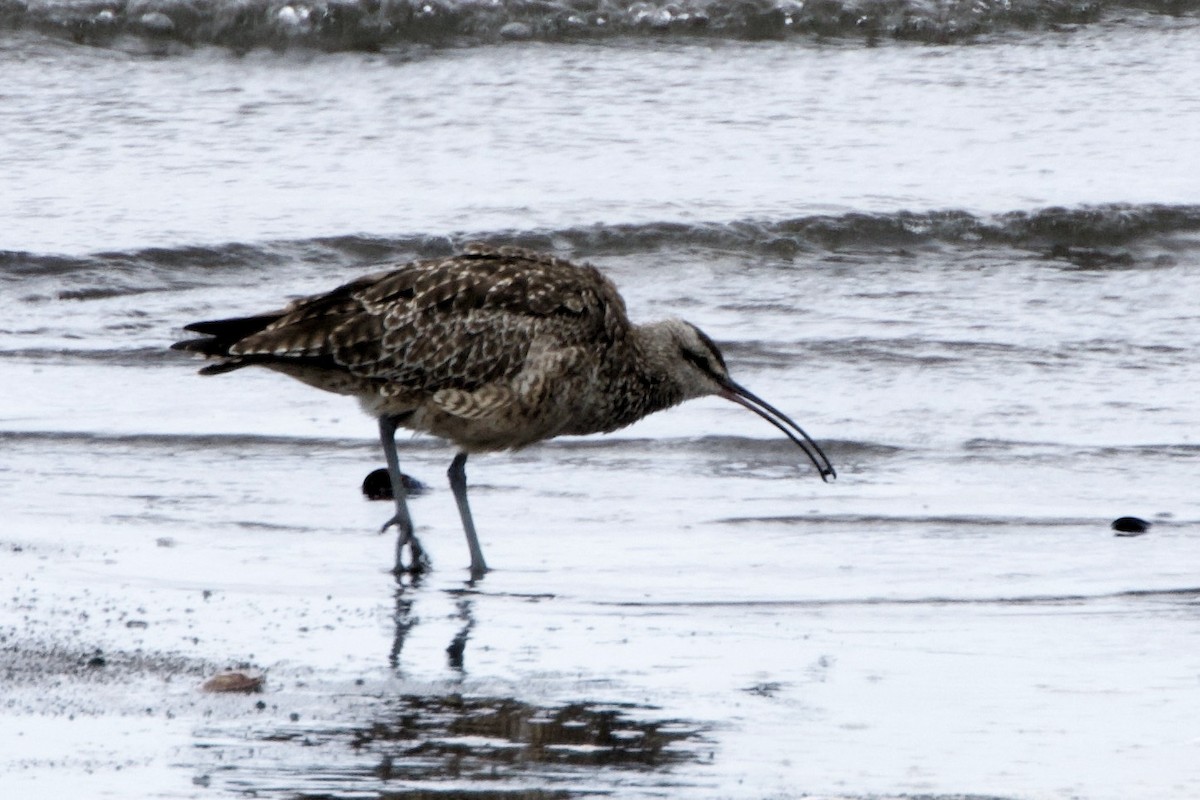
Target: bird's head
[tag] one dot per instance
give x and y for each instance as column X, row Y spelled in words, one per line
column 694, row 364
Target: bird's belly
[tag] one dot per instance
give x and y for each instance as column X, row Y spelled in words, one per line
column 328, row 380
column 481, row 435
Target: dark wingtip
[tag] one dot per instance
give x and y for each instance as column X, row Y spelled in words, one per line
column 233, row 327
column 209, row 347
column 223, row 367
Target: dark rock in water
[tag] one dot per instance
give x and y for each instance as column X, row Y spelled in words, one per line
column 377, row 485
column 1130, row 526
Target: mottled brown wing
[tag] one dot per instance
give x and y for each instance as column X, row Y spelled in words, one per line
column 454, row 323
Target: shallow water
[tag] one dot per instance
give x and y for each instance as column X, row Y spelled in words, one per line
column 784, row 644
column 968, row 271
column 953, row 606
column 103, row 150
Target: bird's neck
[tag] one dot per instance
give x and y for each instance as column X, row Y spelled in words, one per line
column 652, row 383
column 631, row 382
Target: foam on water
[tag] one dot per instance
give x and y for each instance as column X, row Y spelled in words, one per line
column 370, row 26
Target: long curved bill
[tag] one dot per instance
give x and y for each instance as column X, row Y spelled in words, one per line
column 783, row 422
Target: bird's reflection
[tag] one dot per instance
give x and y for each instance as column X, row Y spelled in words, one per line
column 487, row 747
column 405, row 618
column 490, row 746
column 458, row 645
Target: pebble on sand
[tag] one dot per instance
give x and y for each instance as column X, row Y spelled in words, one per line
column 235, row 681
column 1130, row 526
column 378, row 486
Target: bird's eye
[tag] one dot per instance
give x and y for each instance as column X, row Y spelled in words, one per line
column 696, row 360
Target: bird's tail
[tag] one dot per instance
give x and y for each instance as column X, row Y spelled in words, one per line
column 218, row 336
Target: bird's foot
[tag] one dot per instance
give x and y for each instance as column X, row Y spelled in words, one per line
column 418, row 561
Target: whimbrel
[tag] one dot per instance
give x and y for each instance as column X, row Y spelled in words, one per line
column 493, row 349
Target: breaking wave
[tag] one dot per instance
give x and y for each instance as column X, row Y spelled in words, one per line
column 374, row 25
column 1095, row 237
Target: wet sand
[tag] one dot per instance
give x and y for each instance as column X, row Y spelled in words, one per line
column 699, row 620
column 677, row 611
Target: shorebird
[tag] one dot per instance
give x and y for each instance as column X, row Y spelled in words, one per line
column 492, row 349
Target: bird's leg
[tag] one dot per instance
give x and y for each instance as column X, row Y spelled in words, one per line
column 458, row 484
column 418, row 561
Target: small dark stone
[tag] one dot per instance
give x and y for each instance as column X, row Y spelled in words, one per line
column 378, row 486
column 246, row 681
column 1130, row 526
column 96, row 661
